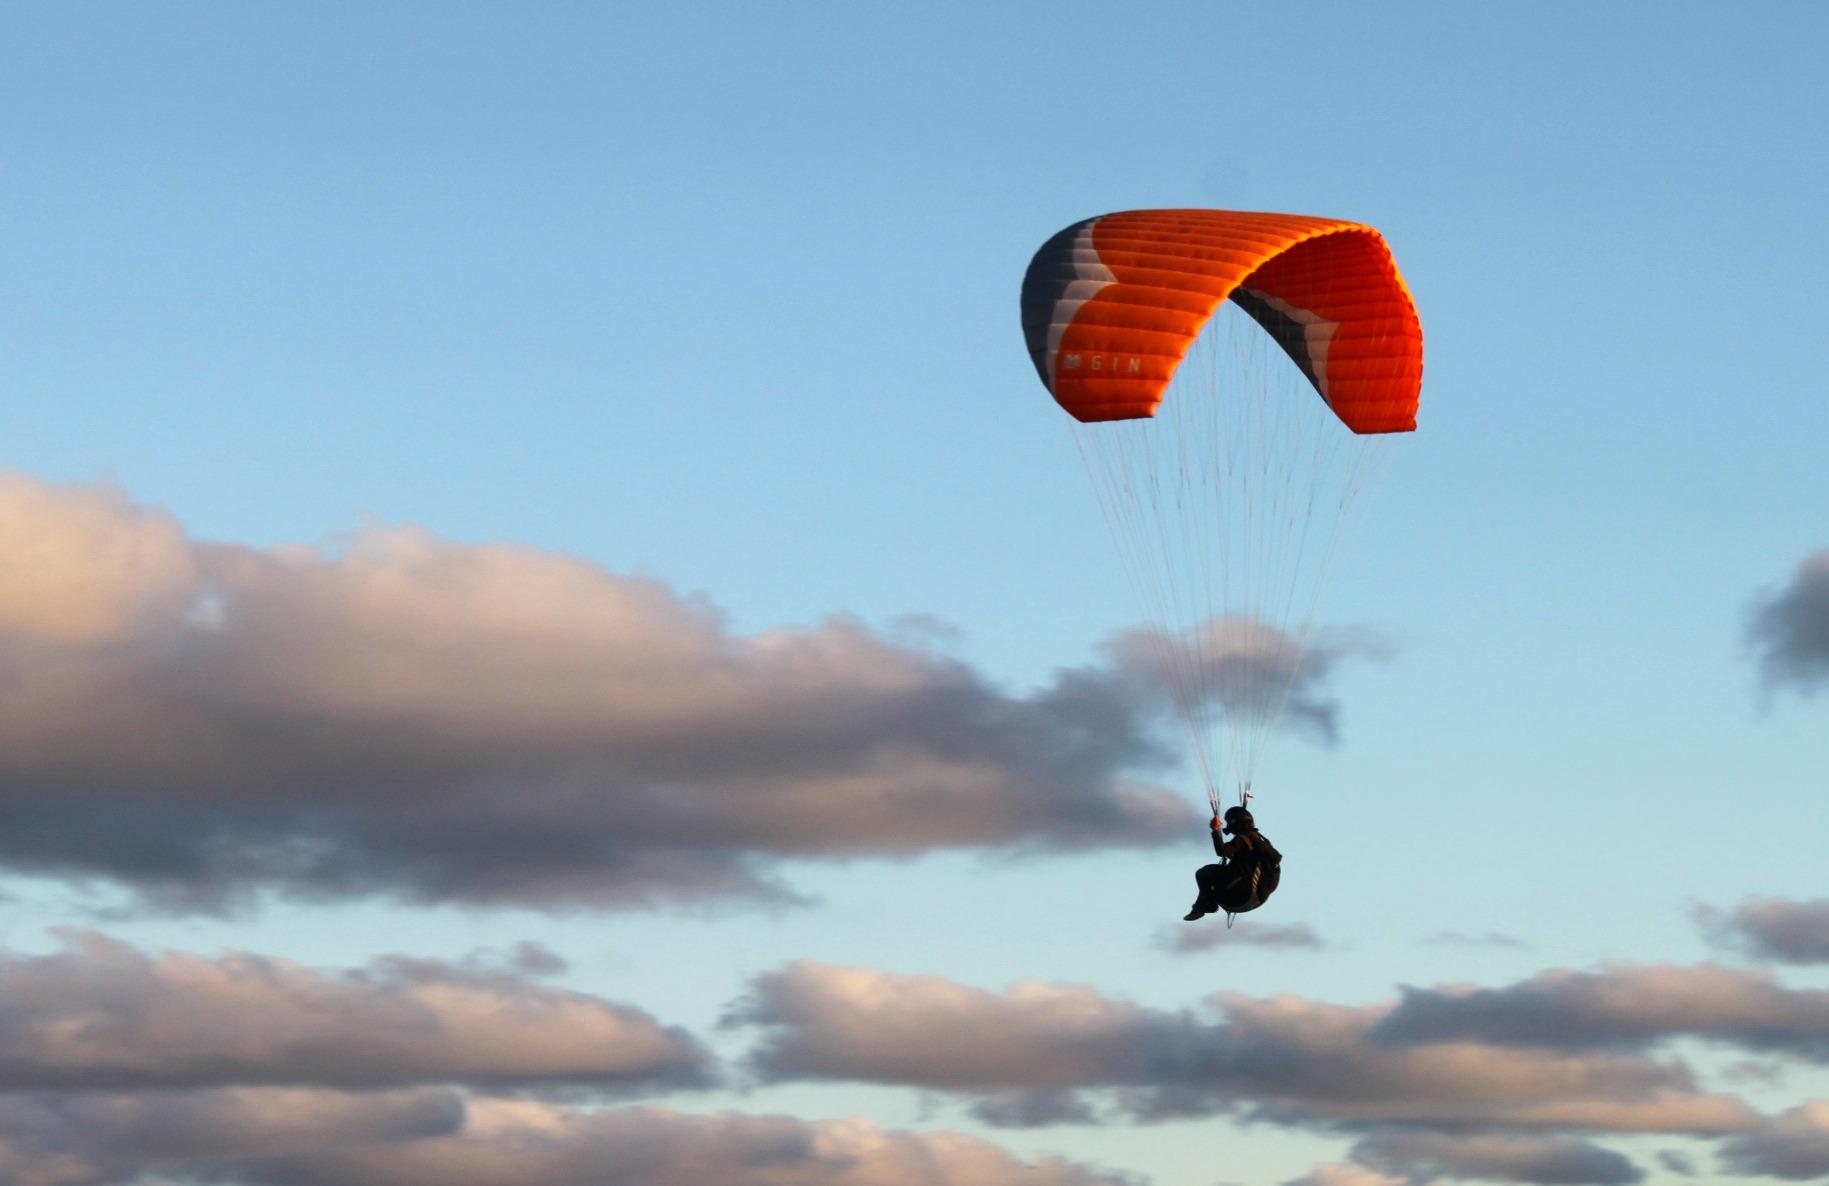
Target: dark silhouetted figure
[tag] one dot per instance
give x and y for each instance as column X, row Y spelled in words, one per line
column 1248, row 871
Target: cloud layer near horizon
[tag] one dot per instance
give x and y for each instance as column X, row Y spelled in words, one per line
column 99, row 1015
column 1031, row 1053
column 435, row 721
column 243, row 1067
column 117, row 1067
column 299, row 1137
column 1517, row 1083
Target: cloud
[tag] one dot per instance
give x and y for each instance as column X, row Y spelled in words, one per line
column 98, row 1015
column 91, row 1139
column 1235, row 659
column 1281, row 1059
column 1336, row 1173
column 862, row 1024
column 532, row 1144
column 1776, row 929
column 1790, row 629
column 1465, row 939
column 411, row 717
column 1629, row 1007
column 1764, row 1072
column 289, row 1137
column 1189, row 939
column 1793, row 1145
column 85, row 567
column 536, row 959
column 1034, row 1109
column 1553, row 1161
column 119, row 1067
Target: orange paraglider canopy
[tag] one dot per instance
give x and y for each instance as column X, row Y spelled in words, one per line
column 1110, row 306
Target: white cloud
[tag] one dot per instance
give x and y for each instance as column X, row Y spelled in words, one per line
column 83, row 566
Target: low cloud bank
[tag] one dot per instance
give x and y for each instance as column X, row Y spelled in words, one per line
column 1037, row 1051
column 99, row 1015
column 278, row 1137
column 120, row 1067
column 1516, row 1083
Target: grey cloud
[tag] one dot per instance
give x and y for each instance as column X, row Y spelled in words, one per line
column 1789, row 629
column 1235, row 658
column 524, row 961
column 536, row 959
column 1034, row 1109
column 1293, row 936
column 1630, row 1007
column 118, row 1067
column 99, row 1015
column 1776, row 929
column 1677, row 1162
column 1552, row 1161
column 290, row 1137
column 535, row 1145
column 94, row 1138
column 1465, row 939
column 1283, row 1059
column 411, row 717
column 1765, row 1072
column 1793, row 1145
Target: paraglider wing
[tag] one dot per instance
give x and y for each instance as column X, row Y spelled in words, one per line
column 1110, row 306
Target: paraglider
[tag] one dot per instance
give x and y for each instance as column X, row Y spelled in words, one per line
column 1169, row 337
column 1249, row 869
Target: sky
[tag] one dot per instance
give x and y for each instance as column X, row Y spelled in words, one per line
column 549, row 633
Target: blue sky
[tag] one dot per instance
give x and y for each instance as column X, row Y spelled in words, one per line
column 724, row 297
